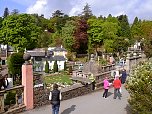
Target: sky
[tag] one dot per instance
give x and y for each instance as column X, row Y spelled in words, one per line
column 132, row 8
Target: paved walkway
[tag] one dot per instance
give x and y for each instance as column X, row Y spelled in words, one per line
column 92, row 103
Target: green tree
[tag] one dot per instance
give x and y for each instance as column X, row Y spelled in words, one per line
column 87, row 12
column 20, row 31
column 57, row 13
column 65, row 67
column 6, row 12
column 44, row 40
column 55, row 67
column 47, row 67
column 139, row 86
column 15, row 11
column 1, row 20
column 15, row 62
column 108, row 46
column 136, row 31
column 125, row 28
column 146, row 28
column 95, row 33
column 68, row 35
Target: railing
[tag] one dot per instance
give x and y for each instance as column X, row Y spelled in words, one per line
column 11, row 99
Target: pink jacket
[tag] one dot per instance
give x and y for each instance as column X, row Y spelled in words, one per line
column 106, row 84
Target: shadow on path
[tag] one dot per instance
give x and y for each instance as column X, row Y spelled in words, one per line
column 69, row 110
column 109, row 94
column 128, row 109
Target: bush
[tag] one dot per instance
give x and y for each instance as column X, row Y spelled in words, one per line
column 65, row 67
column 139, row 86
column 10, row 98
column 55, row 67
column 47, row 67
column 15, row 62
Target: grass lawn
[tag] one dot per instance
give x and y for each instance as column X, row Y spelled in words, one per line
column 61, row 78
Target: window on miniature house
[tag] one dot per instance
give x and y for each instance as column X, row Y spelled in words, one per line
column 3, row 62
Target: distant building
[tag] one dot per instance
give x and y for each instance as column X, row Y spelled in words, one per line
column 40, row 55
column 5, row 51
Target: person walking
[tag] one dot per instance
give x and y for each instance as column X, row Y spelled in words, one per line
column 123, row 76
column 92, row 79
column 117, row 86
column 106, row 85
column 55, row 97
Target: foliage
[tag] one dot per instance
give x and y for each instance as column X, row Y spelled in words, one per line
column 20, row 31
column 15, row 11
column 124, row 26
column 95, row 33
column 44, row 40
column 108, row 46
column 15, row 62
column 139, row 86
column 55, row 66
column 136, row 30
column 47, row 67
column 68, row 35
column 6, row 12
column 103, row 61
column 65, row 67
column 87, row 12
column 1, row 20
column 81, row 37
column 10, row 98
column 57, row 13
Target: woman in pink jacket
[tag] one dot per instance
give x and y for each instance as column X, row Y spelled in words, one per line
column 106, row 87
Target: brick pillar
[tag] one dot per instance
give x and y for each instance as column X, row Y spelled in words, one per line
column 27, row 82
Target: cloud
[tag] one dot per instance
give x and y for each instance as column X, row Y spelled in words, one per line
column 131, row 8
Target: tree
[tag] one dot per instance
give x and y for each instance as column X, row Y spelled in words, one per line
column 20, row 31
column 146, row 28
column 57, row 13
column 44, row 40
column 15, row 62
column 6, row 13
column 139, row 86
column 65, row 67
column 47, row 67
column 95, row 33
column 15, row 11
column 1, row 20
column 87, row 12
column 136, row 31
column 55, row 67
column 68, row 35
column 125, row 28
column 81, row 37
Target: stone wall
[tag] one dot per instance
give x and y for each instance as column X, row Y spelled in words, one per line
column 100, row 77
column 132, row 61
column 41, row 94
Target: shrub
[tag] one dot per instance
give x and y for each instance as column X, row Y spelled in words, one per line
column 65, row 67
column 55, row 67
column 15, row 62
column 47, row 67
column 10, row 98
column 139, row 86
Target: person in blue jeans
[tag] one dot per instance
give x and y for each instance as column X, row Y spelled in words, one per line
column 55, row 97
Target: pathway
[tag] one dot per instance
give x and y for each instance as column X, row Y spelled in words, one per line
column 92, row 103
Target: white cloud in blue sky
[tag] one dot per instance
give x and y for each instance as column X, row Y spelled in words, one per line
column 132, row 8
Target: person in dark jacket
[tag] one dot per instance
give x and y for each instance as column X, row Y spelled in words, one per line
column 55, row 97
column 123, row 76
